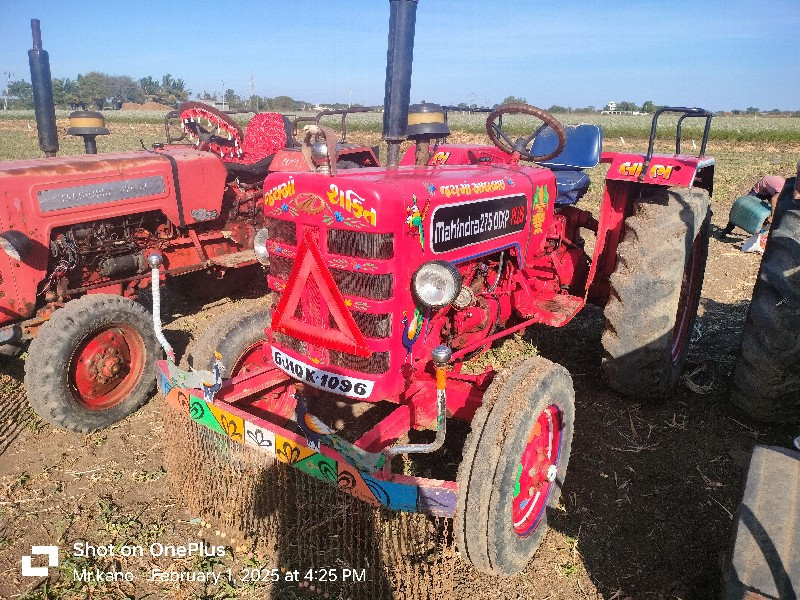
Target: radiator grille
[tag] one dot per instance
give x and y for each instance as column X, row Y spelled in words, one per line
column 280, row 267
column 374, row 365
column 364, row 285
column 281, row 231
column 372, row 326
column 290, row 342
column 361, row 245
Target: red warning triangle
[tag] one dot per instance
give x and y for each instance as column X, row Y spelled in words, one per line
column 309, row 264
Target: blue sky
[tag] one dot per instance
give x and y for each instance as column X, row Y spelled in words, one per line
column 715, row 54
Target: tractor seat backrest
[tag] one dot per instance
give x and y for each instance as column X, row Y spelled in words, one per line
column 266, row 133
column 581, row 151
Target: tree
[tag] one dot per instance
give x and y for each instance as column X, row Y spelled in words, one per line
column 172, row 91
column 65, row 94
column 22, row 91
column 514, row 100
column 125, row 89
column 627, row 106
column 648, row 106
column 150, row 88
column 232, row 98
column 752, row 110
column 95, row 88
column 558, row 109
column 282, row 103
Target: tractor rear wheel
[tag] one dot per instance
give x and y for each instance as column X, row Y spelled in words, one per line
column 238, row 336
column 766, row 379
column 655, row 291
column 92, row 363
column 513, row 465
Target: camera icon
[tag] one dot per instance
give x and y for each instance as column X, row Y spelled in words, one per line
column 51, row 552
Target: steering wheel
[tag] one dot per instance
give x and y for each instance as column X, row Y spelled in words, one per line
column 501, row 140
column 219, row 134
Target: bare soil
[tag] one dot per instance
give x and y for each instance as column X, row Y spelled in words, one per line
column 146, row 106
column 646, row 511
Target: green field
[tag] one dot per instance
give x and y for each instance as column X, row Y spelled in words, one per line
column 749, row 128
column 744, row 148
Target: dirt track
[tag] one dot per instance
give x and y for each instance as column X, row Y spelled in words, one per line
column 646, row 510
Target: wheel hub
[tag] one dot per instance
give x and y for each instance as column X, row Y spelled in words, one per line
column 537, row 471
column 105, row 366
column 252, row 359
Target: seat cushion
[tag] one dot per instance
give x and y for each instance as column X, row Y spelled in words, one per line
column 572, row 185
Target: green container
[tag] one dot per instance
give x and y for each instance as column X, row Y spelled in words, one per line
column 749, row 213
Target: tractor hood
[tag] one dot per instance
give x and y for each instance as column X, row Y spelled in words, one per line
column 51, row 192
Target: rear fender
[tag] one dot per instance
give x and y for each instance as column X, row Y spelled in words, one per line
column 662, row 169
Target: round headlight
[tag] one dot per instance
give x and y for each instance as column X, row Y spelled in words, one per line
column 260, row 246
column 436, row 284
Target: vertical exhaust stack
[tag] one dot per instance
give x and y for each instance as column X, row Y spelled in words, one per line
column 42, row 84
column 402, row 21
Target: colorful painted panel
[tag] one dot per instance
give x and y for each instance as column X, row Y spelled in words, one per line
column 261, row 438
column 431, row 496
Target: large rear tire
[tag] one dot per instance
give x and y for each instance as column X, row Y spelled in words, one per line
column 766, row 380
column 513, row 467
column 92, row 363
column 655, row 291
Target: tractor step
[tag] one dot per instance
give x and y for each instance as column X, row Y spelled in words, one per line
column 765, row 558
column 558, row 310
column 236, row 259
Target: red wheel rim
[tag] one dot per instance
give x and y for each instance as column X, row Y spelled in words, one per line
column 250, row 360
column 536, row 473
column 686, row 304
column 106, row 366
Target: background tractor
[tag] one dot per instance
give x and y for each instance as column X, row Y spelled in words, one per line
column 385, row 281
column 75, row 232
column 762, row 560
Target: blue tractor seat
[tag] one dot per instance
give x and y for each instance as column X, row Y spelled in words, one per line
column 581, row 151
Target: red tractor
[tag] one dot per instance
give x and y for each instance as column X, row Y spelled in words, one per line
column 386, row 280
column 75, row 232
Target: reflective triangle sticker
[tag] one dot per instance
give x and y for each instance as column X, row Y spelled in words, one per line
column 309, row 264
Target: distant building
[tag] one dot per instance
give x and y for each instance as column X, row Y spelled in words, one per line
column 611, row 109
column 218, row 104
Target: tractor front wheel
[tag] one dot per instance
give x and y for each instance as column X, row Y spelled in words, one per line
column 655, row 291
column 238, row 336
column 513, row 466
column 92, row 363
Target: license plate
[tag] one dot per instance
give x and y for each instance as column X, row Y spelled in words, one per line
column 323, row 380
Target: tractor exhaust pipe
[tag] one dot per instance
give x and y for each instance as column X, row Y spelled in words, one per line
column 402, row 21
column 42, row 85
